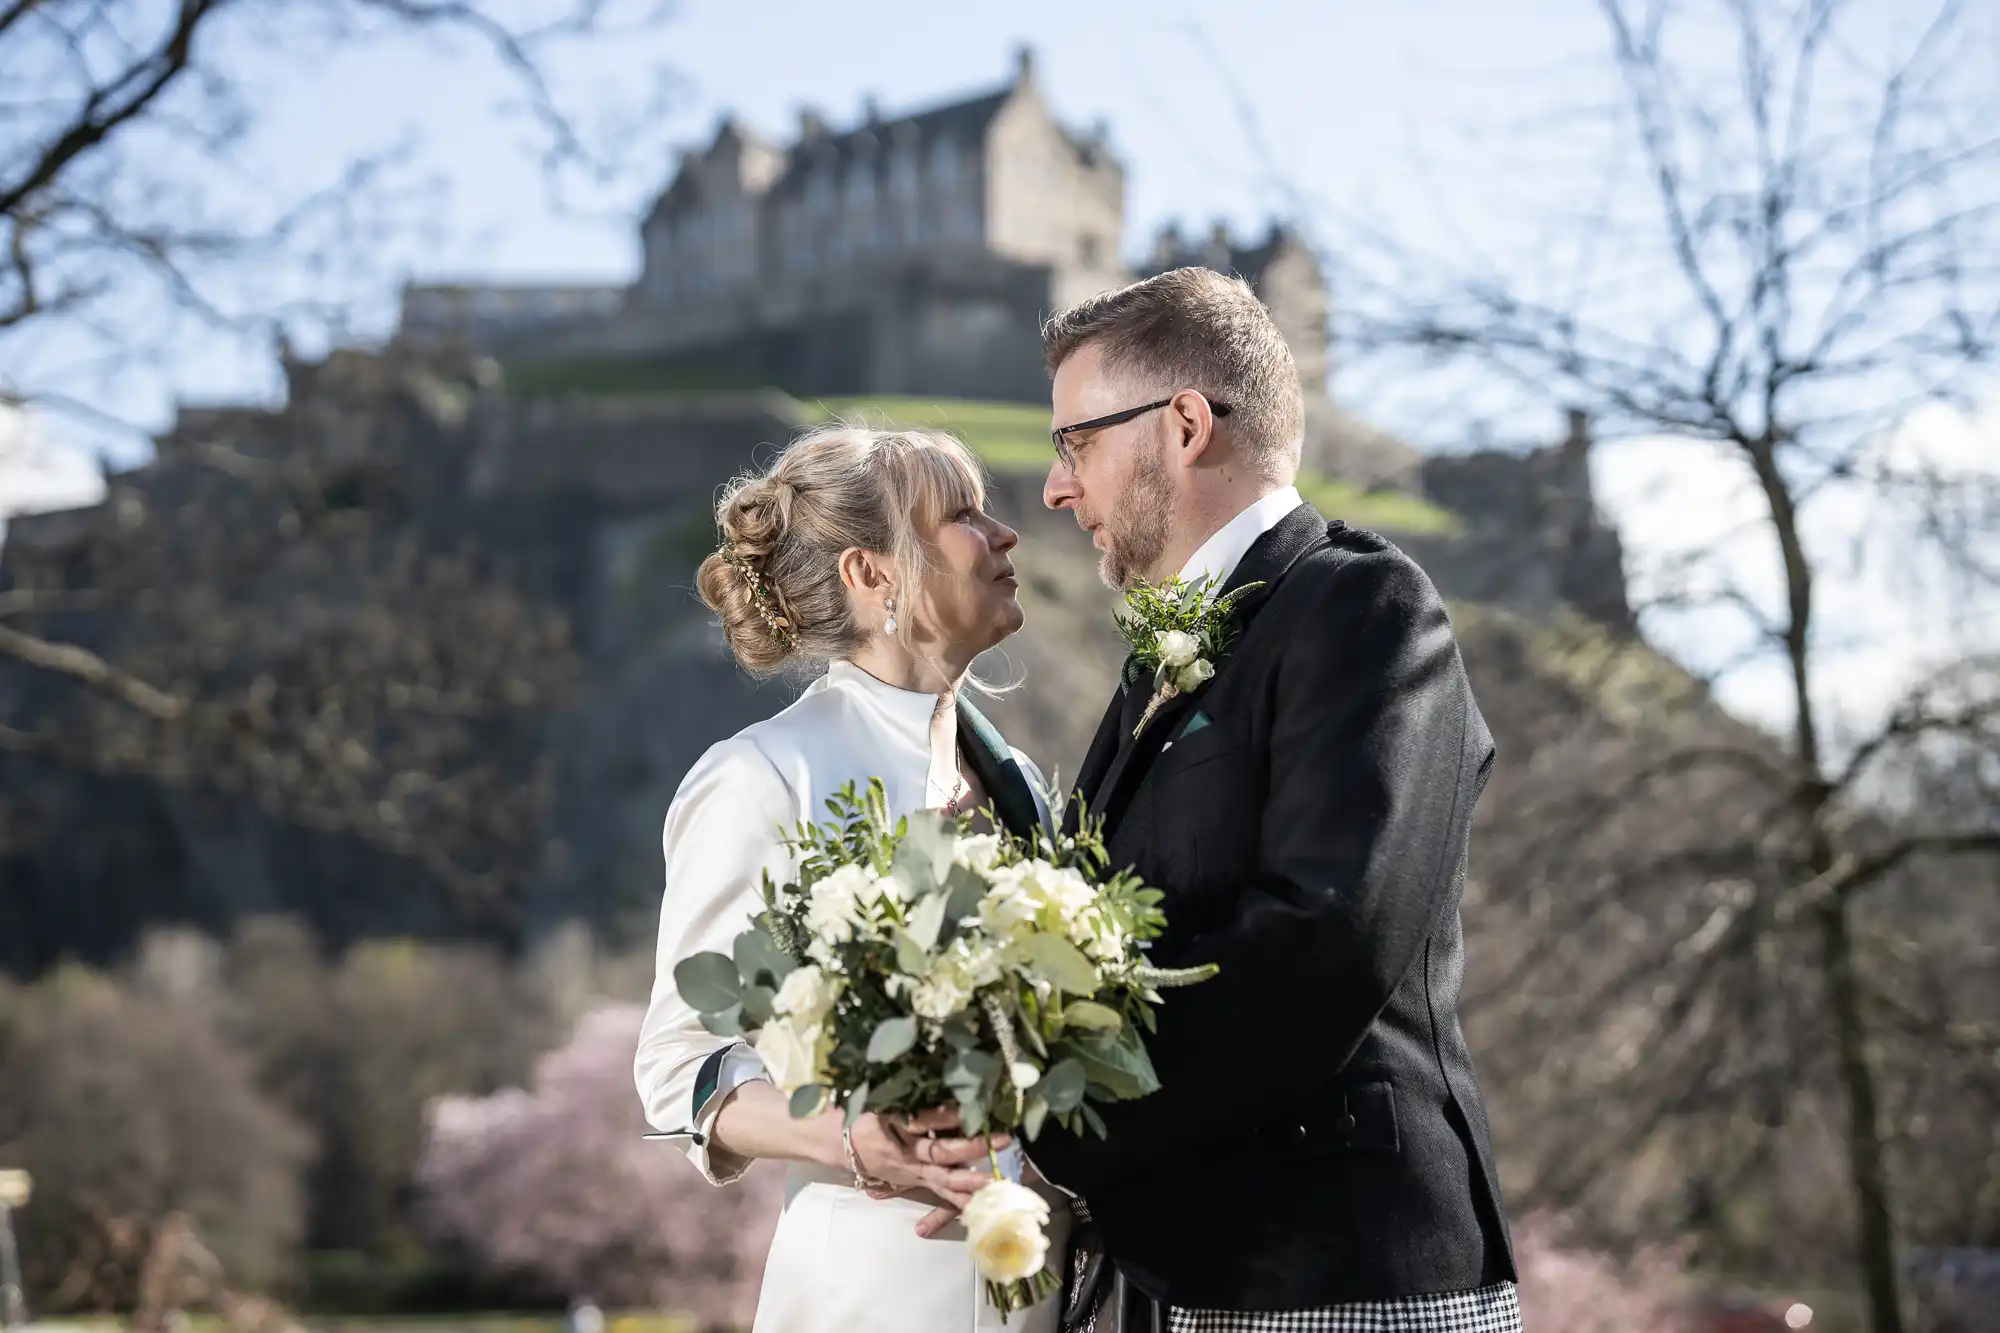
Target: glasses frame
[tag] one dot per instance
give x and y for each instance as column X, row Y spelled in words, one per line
column 1059, row 437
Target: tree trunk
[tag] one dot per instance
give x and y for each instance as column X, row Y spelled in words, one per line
column 1867, row 1157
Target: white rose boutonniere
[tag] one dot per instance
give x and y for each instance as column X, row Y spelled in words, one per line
column 1178, row 630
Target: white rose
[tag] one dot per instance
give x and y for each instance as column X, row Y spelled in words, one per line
column 791, row 1055
column 1190, row 677
column 1023, row 1075
column 807, row 995
column 1178, row 648
column 977, row 851
column 1003, row 1225
column 836, row 903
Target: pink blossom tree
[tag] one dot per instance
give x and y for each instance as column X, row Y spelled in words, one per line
column 554, row 1184
column 1570, row 1289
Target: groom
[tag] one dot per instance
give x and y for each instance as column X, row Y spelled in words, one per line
column 1317, row 1155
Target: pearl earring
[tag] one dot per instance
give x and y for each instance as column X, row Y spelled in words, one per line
column 889, row 627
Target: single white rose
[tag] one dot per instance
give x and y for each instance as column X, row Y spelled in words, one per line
column 1191, row 677
column 1178, row 648
column 791, row 1054
column 836, row 905
column 977, row 851
column 1023, row 1075
column 1003, row 1225
column 808, row 994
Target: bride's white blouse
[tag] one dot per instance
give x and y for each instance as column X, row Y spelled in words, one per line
column 722, row 833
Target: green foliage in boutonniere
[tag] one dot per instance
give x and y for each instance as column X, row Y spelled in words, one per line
column 1178, row 631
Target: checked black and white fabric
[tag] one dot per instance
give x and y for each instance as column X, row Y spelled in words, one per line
column 1494, row 1309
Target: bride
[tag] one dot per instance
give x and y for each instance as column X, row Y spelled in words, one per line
column 870, row 551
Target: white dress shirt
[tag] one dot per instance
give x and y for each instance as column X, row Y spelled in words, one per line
column 1221, row 553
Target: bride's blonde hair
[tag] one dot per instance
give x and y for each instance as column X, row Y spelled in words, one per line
column 775, row 581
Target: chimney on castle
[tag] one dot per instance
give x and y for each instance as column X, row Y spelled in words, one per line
column 1024, row 64
column 812, row 125
column 1167, row 246
column 871, row 110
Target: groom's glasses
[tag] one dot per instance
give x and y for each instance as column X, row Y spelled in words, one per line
column 1066, row 451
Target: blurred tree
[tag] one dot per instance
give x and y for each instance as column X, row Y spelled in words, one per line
column 129, row 223
column 358, row 1047
column 555, row 1183
column 332, row 648
column 1808, row 270
column 131, row 1110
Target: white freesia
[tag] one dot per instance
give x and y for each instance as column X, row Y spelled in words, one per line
column 1192, row 676
column 1023, row 1075
column 1004, row 1226
column 1178, row 648
column 792, row 1052
column 941, row 994
column 808, row 994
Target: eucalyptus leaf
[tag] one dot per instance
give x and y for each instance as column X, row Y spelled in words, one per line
column 857, row 1102
column 1121, row 1068
column 1094, row 1120
column 725, row 1022
column 1062, row 963
column 1092, row 1016
column 926, row 919
column 911, row 957
column 757, row 953
column 959, row 1033
column 1063, row 1085
column 709, row 981
column 757, row 1002
column 923, row 858
column 891, row 1038
column 806, row 1101
column 1031, row 1118
column 892, row 1089
column 963, row 889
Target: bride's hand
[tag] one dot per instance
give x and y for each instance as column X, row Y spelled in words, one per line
column 911, row 1153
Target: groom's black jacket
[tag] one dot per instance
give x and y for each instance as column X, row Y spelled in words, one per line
column 1318, row 1136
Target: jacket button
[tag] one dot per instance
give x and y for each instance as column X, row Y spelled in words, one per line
column 1345, row 1124
column 1299, row 1134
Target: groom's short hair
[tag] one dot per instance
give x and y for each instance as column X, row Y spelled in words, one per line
column 1194, row 328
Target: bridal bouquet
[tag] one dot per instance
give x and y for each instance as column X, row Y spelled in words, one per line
column 915, row 963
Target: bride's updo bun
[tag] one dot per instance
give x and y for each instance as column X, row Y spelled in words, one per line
column 775, row 580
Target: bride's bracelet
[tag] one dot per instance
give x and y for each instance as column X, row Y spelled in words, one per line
column 862, row 1180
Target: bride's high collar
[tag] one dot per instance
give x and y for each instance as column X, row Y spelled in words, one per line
column 918, row 706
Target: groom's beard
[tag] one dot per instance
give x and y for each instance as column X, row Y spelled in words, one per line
column 1136, row 532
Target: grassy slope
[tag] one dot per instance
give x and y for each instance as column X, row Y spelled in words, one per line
column 1013, row 437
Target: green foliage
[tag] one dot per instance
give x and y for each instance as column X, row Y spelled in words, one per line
column 1194, row 608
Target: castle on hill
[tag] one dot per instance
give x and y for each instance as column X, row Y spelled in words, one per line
column 908, row 255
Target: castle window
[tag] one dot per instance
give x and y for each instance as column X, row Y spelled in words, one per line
column 1087, row 250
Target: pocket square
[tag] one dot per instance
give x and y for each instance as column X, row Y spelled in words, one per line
column 1196, row 721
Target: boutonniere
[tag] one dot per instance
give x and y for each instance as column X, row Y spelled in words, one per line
column 1179, row 631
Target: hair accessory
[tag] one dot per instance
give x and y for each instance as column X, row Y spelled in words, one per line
column 889, row 627
column 768, row 607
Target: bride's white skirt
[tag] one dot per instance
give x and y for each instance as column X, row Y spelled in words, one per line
column 842, row 1262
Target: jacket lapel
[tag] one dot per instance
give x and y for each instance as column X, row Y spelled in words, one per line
column 999, row 772
column 1096, row 762
column 1266, row 562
